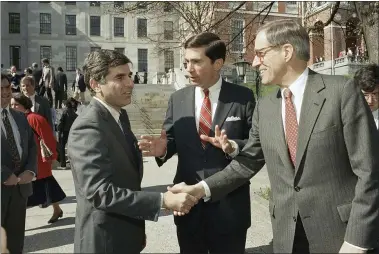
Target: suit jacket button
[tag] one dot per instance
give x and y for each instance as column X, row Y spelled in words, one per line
column 297, row 188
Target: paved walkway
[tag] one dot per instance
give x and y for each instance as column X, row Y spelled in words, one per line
column 161, row 236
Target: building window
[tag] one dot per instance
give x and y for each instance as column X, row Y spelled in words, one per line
column 142, row 60
column 168, row 30
column 45, row 23
column 71, row 58
column 258, row 6
column 120, row 50
column 168, row 60
column 45, row 52
column 70, row 3
column 118, row 27
column 14, row 23
column 237, row 35
column 141, row 28
column 94, row 3
column 233, row 5
column 291, row 7
column 15, row 56
column 95, row 25
column 70, row 24
column 94, row 49
column 118, row 4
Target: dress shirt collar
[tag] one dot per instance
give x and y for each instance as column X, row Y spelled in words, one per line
column 376, row 117
column 214, row 88
column 298, row 86
column 32, row 97
column 114, row 112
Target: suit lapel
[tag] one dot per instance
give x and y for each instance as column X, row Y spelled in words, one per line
column 278, row 129
column 36, row 104
column 224, row 105
column 188, row 110
column 313, row 101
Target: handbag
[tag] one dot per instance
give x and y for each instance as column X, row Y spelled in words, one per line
column 46, row 153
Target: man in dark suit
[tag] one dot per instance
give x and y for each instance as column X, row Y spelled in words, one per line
column 60, row 87
column 37, row 75
column 204, row 108
column 18, row 168
column 41, row 105
column 47, row 81
column 79, row 86
column 107, row 166
column 319, row 140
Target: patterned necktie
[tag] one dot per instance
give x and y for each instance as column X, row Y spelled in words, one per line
column 205, row 121
column 129, row 136
column 11, row 140
column 291, row 125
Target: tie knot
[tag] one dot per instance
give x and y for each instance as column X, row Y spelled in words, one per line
column 206, row 92
column 4, row 112
column 287, row 93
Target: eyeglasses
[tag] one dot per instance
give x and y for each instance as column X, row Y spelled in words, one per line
column 373, row 96
column 262, row 52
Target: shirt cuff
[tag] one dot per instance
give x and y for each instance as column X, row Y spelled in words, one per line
column 161, row 200
column 34, row 178
column 359, row 248
column 164, row 156
column 207, row 191
column 236, row 148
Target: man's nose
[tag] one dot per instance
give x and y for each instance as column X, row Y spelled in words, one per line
column 369, row 99
column 256, row 62
column 189, row 67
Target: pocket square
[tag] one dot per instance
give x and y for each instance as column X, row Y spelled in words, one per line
column 232, row 118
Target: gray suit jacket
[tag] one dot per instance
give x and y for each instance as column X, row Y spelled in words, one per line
column 28, row 158
column 111, row 208
column 335, row 183
column 42, row 107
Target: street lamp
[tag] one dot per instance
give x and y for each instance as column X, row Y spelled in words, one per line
column 241, row 66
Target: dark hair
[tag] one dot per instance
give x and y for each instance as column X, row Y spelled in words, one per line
column 60, row 69
column 45, row 60
column 29, row 70
column 23, row 100
column 28, row 78
column 3, row 76
column 97, row 64
column 367, row 77
column 68, row 103
column 215, row 48
column 282, row 31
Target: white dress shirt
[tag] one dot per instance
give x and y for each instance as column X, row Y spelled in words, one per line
column 116, row 116
column 33, row 99
column 376, row 116
column 16, row 132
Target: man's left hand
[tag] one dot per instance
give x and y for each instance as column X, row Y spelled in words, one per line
column 26, row 177
column 348, row 248
column 220, row 140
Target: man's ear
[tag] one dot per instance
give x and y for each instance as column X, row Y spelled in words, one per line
column 217, row 65
column 95, row 85
column 288, row 52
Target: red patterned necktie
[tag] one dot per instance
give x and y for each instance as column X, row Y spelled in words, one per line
column 205, row 121
column 291, row 125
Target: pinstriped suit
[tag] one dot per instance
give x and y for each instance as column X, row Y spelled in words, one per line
column 334, row 186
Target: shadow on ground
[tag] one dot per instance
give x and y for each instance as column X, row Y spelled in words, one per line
column 61, row 222
column 49, row 239
column 266, row 249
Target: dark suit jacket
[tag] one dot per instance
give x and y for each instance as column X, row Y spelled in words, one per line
column 60, row 82
column 335, row 183
column 81, row 84
column 195, row 163
column 111, row 208
column 28, row 158
column 37, row 75
column 42, row 107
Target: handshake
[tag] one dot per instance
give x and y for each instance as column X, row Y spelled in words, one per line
column 182, row 197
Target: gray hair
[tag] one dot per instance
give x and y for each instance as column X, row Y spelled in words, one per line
column 280, row 32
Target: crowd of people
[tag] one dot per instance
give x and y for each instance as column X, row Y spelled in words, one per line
column 317, row 134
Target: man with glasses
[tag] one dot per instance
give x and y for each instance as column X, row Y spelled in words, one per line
column 319, row 141
column 367, row 79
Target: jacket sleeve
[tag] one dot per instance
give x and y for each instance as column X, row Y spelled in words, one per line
column 89, row 154
column 168, row 125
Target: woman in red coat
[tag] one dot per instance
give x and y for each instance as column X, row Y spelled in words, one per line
column 46, row 189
